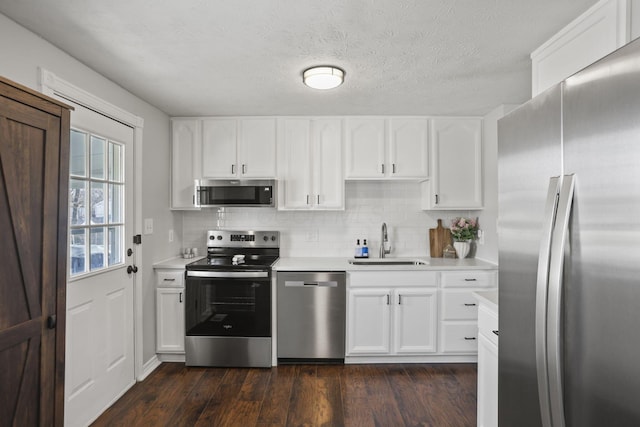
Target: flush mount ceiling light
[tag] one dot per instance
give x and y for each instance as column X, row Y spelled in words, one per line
column 323, row 77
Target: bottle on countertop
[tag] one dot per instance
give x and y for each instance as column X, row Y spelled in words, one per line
column 365, row 249
column 358, row 252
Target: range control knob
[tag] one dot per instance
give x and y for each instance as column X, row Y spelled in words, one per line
column 212, row 237
column 273, row 238
column 265, row 238
column 219, row 237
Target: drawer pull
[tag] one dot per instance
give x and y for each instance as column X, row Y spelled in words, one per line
column 388, row 299
column 180, row 296
column 470, row 304
column 470, row 338
column 496, row 332
column 169, row 280
column 471, row 280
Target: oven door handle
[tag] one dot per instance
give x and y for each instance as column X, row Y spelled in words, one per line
column 228, row 274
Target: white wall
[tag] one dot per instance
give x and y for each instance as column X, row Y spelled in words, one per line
column 334, row 233
column 23, row 53
column 488, row 217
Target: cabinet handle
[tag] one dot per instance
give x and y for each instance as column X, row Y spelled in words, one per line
column 307, row 199
column 470, row 280
column 382, row 169
column 244, row 169
column 387, row 299
column 393, row 167
column 470, row 338
column 233, row 169
column 466, row 304
column 169, row 280
column 399, row 299
column 437, row 199
column 496, row 332
column 318, row 199
column 180, row 296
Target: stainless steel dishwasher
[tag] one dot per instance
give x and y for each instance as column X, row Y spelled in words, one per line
column 311, row 315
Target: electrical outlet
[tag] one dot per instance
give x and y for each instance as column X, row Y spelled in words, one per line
column 170, row 235
column 481, row 237
column 148, row 226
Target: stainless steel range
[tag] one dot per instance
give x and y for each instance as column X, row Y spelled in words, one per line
column 228, row 300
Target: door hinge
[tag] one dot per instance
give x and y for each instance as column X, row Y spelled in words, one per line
column 137, row 239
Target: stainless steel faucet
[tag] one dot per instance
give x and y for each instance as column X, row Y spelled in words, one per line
column 384, row 238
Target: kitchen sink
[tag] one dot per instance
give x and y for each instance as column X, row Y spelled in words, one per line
column 383, row 261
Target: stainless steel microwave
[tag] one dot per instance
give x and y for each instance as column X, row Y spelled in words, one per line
column 234, row 192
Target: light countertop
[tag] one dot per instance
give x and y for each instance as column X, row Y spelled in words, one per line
column 490, row 298
column 342, row 264
column 176, row 262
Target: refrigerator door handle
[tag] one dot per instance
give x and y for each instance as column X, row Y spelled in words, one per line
column 542, row 284
column 554, row 313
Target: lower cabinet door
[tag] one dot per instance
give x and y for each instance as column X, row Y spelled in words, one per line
column 415, row 321
column 487, row 383
column 170, row 320
column 368, row 323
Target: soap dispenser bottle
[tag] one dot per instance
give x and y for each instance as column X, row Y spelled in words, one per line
column 358, row 252
column 365, row 249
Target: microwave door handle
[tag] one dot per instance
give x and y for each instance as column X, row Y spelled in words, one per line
column 196, row 194
column 542, row 284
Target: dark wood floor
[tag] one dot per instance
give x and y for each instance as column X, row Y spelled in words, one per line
column 301, row 395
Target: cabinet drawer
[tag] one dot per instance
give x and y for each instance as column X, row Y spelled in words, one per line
column 459, row 305
column 392, row 278
column 468, row 279
column 488, row 323
column 460, row 337
column 170, row 278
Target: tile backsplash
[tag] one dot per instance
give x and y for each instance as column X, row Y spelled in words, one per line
column 333, row 233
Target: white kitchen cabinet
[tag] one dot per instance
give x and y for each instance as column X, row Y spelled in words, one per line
column 391, row 313
column 310, row 173
column 238, row 148
column 185, row 161
column 487, row 366
column 603, row 28
column 170, row 329
column 456, row 165
column 459, row 309
column 393, row 148
column 170, row 320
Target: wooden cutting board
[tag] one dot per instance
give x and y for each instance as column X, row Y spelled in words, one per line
column 439, row 237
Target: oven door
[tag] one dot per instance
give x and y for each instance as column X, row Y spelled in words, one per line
column 228, row 304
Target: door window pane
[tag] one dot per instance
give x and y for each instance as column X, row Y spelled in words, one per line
column 97, row 247
column 97, row 202
column 115, row 245
column 78, row 157
column 77, row 202
column 115, row 162
column 97, row 157
column 116, row 202
column 78, row 250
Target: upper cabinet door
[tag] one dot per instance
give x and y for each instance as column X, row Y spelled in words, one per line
column 456, row 164
column 327, row 164
column 257, row 148
column 408, row 148
column 295, row 167
column 185, row 161
column 219, row 155
column 365, row 156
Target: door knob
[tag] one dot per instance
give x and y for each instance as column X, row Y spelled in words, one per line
column 132, row 269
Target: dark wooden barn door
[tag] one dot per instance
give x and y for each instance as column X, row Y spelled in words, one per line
column 33, row 175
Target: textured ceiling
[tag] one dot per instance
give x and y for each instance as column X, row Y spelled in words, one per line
column 246, row 57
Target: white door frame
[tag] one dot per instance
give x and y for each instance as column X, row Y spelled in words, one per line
column 51, row 85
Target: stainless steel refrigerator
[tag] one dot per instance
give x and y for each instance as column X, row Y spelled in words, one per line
column 569, row 238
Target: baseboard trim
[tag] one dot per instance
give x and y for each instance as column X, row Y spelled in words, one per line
column 149, row 367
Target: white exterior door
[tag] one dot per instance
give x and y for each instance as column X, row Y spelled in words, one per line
column 100, row 321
